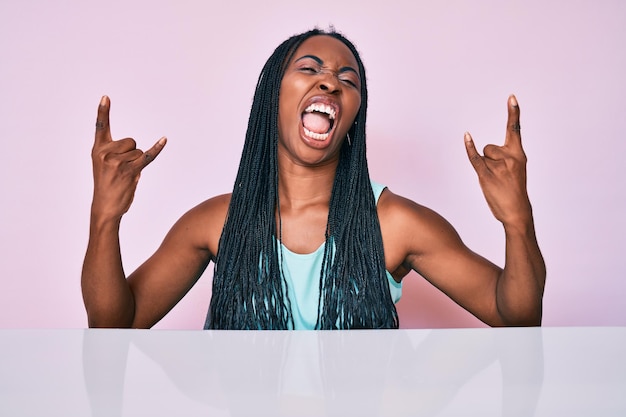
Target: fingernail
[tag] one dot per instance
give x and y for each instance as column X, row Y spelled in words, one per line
column 103, row 100
column 162, row 141
column 467, row 137
column 513, row 101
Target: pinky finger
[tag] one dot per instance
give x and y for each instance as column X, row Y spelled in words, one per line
column 153, row 152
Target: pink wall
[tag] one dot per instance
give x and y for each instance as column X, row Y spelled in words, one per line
column 436, row 69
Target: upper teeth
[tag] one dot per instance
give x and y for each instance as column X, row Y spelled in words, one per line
column 322, row 108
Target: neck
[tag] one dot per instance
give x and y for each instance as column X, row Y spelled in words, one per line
column 300, row 186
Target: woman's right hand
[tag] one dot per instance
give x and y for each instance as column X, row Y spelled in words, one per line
column 117, row 166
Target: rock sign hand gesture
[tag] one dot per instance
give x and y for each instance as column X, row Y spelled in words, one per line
column 117, row 166
column 502, row 173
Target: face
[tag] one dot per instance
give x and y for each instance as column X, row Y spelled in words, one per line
column 319, row 99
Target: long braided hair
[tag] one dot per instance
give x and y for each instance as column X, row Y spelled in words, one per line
column 249, row 290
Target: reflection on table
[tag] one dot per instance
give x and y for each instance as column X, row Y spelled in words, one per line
column 511, row 372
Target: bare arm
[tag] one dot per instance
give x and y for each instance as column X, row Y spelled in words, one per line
column 429, row 244
column 116, row 169
column 155, row 287
column 107, row 297
column 502, row 176
column 161, row 282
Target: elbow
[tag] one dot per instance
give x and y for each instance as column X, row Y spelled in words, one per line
column 107, row 324
column 530, row 318
column 520, row 307
column 107, row 320
column 534, row 322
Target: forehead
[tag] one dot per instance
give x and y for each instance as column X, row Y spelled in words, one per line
column 330, row 50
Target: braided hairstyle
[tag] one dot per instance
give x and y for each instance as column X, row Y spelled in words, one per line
column 249, row 290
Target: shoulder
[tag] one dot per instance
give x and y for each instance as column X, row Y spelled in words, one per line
column 410, row 229
column 210, row 212
column 397, row 212
column 215, row 206
column 202, row 225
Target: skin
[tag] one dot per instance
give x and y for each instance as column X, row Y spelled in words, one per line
column 414, row 237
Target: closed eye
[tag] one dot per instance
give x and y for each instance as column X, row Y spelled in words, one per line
column 349, row 82
column 349, row 76
column 311, row 64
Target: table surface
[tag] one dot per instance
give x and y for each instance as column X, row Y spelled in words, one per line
column 451, row 372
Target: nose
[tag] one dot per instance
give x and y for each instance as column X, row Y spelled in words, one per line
column 329, row 83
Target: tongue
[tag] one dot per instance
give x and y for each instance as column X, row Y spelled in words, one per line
column 316, row 122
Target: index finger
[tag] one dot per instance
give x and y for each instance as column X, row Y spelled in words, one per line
column 103, row 129
column 513, row 127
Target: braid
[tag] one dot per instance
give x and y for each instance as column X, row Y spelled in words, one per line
column 247, row 284
column 354, row 292
column 249, row 290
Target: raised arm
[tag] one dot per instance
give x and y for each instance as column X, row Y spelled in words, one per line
column 141, row 300
column 418, row 238
column 116, row 169
column 502, row 175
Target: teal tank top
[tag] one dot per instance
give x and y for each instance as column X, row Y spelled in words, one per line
column 302, row 276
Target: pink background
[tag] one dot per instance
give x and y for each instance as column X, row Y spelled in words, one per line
column 187, row 70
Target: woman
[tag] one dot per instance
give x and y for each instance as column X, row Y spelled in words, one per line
column 306, row 240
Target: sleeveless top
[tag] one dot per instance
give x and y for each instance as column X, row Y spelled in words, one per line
column 302, row 275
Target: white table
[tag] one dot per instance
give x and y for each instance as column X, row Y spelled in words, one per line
column 481, row 372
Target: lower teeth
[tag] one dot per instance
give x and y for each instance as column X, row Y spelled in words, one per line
column 316, row 136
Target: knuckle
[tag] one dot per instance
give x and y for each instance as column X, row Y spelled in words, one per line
column 125, row 145
column 98, row 154
column 518, row 157
column 107, row 157
column 133, row 154
column 492, row 151
column 130, row 143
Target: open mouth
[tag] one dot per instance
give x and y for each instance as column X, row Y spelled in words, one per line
column 318, row 120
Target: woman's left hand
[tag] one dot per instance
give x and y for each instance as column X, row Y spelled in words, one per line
column 502, row 172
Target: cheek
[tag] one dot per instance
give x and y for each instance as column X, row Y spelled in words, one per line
column 354, row 104
column 286, row 101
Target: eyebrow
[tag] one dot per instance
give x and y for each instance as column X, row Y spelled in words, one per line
column 320, row 62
